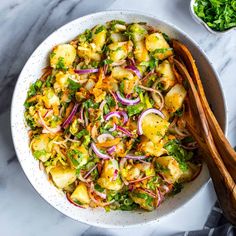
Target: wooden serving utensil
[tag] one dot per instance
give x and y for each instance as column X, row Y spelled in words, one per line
column 223, row 182
column 227, row 153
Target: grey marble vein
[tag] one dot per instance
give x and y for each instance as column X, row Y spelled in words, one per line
column 24, row 25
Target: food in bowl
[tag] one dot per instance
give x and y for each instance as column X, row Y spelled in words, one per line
column 107, row 119
column 220, row 16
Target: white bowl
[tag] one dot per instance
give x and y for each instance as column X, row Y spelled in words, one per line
column 32, row 71
column 201, row 22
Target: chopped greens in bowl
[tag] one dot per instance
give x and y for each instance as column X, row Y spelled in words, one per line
column 218, row 15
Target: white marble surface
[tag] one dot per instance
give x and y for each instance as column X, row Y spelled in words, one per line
column 24, row 24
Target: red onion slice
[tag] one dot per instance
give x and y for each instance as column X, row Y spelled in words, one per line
column 69, row 118
column 115, row 99
column 47, row 129
column 125, row 116
column 117, row 114
column 102, row 204
column 149, row 192
column 159, row 197
column 125, row 131
column 90, row 171
column 86, row 71
column 147, row 75
column 135, row 70
column 113, row 128
column 153, row 93
column 139, row 180
column 126, row 101
column 112, row 114
column 143, row 114
column 163, row 178
column 128, row 156
column 99, row 153
column 72, row 202
column 111, row 150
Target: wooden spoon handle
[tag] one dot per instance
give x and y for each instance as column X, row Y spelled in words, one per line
column 222, row 180
column 226, row 151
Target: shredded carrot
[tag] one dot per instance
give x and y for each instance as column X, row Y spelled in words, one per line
column 34, row 98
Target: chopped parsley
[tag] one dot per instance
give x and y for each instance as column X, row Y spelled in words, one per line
column 37, row 154
column 135, row 109
column 61, row 64
column 100, row 29
column 219, row 15
column 180, row 154
column 73, row 85
column 110, row 101
column 81, row 133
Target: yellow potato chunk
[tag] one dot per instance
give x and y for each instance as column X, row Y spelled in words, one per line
column 140, row 52
column 166, row 73
column 175, row 97
column 129, row 85
column 61, row 81
column 81, row 194
column 119, row 50
column 41, row 148
column 50, row 98
column 140, row 197
column 154, row 127
column 152, row 149
column 84, row 155
column 121, row 73
column 155, row 42
column 117, row 37
column 171, row 169
column 63, row 53
column 88, row 53
column 63, row 176
column 99, row 38
column 132, row 173
column 107, row 179
column 138, row 32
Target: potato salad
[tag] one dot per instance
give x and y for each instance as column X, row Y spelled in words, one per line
column 107, row 119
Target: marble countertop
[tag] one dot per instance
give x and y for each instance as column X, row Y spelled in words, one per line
column 26, row 23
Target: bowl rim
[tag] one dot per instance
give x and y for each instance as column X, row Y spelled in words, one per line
column 202, row 22
column 138, row 13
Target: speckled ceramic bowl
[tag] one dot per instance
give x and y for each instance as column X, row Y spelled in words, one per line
column 32, row 71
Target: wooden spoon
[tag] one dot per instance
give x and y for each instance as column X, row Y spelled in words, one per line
column 227, row 153
column 223, row 182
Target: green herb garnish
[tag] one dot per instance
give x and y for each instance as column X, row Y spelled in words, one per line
column 180, row 154
column 100, row 29
column 219, row 15
column 61, row 64
column 73, row 85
